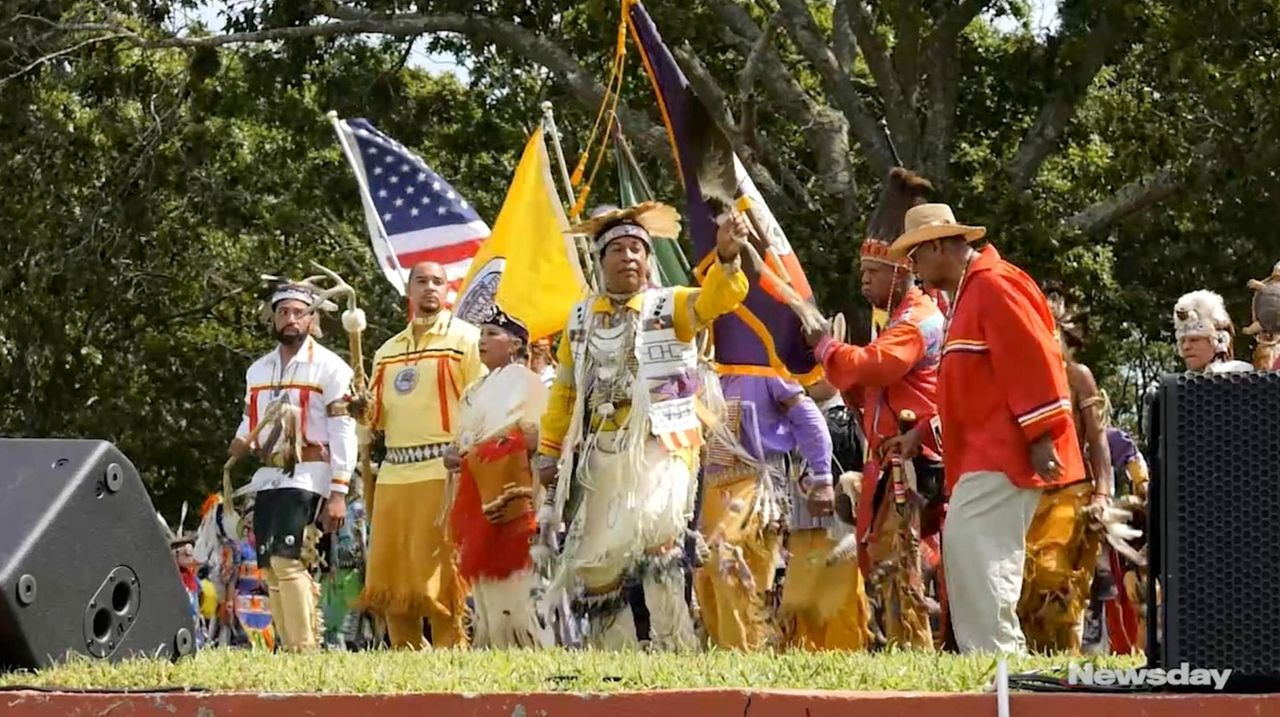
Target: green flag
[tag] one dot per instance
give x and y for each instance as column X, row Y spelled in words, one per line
column 673, row 267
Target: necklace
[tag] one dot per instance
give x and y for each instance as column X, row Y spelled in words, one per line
column 620, row 299
column 951, row 310
column 279, row 379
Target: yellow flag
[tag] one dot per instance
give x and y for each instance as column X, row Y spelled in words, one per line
column 528, row 265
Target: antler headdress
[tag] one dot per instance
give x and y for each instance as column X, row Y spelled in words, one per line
column 277, row 289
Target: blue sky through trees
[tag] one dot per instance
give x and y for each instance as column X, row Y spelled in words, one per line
column 1042, row 19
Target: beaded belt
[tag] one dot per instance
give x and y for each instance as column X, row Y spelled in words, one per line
column 415, row 454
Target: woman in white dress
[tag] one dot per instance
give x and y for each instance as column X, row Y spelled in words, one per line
column 493, row 515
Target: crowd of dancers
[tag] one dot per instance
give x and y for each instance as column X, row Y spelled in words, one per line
column 953, row 483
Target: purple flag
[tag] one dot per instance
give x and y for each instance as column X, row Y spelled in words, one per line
column 764, row 332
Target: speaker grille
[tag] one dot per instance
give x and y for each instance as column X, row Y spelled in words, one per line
column 1220, row 465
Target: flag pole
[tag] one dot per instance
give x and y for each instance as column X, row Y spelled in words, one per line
column 368, row 199
column 549, row 121
column 549, row 124
column 621, row 139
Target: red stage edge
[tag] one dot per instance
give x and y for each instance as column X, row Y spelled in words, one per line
column 700, row 703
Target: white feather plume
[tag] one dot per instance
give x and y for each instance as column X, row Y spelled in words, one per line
column 1200, row 313
column 354, row 321
column 1113, row 521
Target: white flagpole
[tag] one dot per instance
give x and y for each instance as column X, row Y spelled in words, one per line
column 1002, row 689
column 549, row 122
column 368, row 199
column 549, row 125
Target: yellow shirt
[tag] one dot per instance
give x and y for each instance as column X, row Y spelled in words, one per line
column 722, row 291
column 418, row 387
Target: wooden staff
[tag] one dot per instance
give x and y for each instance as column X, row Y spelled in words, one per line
column 353, row 321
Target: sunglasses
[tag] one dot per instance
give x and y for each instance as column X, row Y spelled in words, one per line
column 932, row 242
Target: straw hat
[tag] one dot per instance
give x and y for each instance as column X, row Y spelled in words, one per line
column 927, row 222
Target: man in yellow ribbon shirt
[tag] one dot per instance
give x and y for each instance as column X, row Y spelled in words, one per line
column 622, row 430
column 419, row 376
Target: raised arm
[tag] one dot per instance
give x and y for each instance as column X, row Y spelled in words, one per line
column 883, row 362
column 723, row 290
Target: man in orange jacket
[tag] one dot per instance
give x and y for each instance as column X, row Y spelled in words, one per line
column 896, row 371
column 1004, row 421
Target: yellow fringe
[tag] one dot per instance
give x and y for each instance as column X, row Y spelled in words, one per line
column 898, row 578
column 401, row 603
column 1054, row 599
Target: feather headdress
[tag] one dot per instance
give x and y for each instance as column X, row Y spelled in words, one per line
column 1203, row 314
column 642, row 221
column 177, row 537
column 903, row 189
column 1071, row 324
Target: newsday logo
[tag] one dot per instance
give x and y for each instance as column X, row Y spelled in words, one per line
column 1182, row 676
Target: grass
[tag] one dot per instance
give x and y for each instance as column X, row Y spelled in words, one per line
column 478, row 672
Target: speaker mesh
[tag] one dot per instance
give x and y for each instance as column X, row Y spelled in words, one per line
column 1220, row 515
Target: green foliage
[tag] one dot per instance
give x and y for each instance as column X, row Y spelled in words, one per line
column 148, row 194
column 146, row 190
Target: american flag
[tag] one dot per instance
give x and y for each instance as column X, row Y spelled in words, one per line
column 410, row 209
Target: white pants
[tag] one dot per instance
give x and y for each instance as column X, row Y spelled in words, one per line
column 984, row 548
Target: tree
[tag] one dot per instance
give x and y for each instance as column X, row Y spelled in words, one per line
column 146, row 194
column 812, row 79
column 1131, row 153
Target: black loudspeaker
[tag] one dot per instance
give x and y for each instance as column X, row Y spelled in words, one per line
column 85, row 565
column 1215, row 526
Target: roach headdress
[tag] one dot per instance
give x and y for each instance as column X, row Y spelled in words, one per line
column 903, row 189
